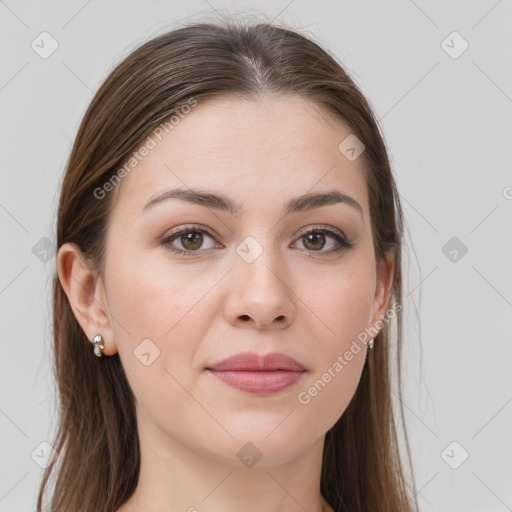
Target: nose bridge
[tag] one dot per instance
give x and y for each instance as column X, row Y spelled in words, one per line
column 259, row 260
column 263, row 289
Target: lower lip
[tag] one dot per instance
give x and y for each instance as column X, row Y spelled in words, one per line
column 259, row 382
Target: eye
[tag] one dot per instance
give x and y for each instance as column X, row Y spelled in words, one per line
column 314, row 239
column 191, row 239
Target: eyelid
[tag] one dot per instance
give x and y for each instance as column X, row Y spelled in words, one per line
column 189, row 227
column 302, row 231
column 322, row 227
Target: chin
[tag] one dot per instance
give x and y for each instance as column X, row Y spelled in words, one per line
column 255, row 448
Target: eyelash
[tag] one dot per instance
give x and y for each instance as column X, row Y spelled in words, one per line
column 343, row 243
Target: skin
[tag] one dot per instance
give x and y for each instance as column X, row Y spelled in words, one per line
column 213, row 304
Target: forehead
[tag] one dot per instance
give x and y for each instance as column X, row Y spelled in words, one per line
column 254, row 150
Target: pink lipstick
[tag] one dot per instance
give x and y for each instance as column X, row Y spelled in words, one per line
column 256, row 374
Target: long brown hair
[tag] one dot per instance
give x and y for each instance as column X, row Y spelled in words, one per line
column 98, row 465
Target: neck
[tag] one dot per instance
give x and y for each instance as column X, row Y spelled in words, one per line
column 174, row 477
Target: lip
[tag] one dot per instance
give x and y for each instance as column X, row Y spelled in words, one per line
column 258, row 374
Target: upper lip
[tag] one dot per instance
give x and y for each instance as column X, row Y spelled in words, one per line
column 250, row 361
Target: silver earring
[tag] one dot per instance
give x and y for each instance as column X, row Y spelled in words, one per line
column 98, row 345
column 371, row 344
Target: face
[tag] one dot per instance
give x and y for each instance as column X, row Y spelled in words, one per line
column 188, row 285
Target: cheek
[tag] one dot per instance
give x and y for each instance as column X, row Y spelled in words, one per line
column 155, row 300
column 343, row 305
column 160, row 323
column 160, row 320
column 325, row 396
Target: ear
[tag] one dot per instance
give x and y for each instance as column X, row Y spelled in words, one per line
column 382, row 295
column 86, row 295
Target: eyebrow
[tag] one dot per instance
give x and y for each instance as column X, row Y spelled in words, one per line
column 223, row 203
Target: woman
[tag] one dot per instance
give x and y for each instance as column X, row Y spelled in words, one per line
column 228, row 271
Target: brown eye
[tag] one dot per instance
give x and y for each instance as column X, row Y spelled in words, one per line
column 314, row 241
column 191, row 240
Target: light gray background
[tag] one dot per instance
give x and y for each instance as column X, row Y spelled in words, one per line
column 447, row 122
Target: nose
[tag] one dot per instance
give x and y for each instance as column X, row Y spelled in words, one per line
column 261, row 296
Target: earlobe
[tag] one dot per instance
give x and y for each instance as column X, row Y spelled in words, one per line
column 86, row 295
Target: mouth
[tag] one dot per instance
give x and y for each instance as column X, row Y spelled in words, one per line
column 259, row 375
